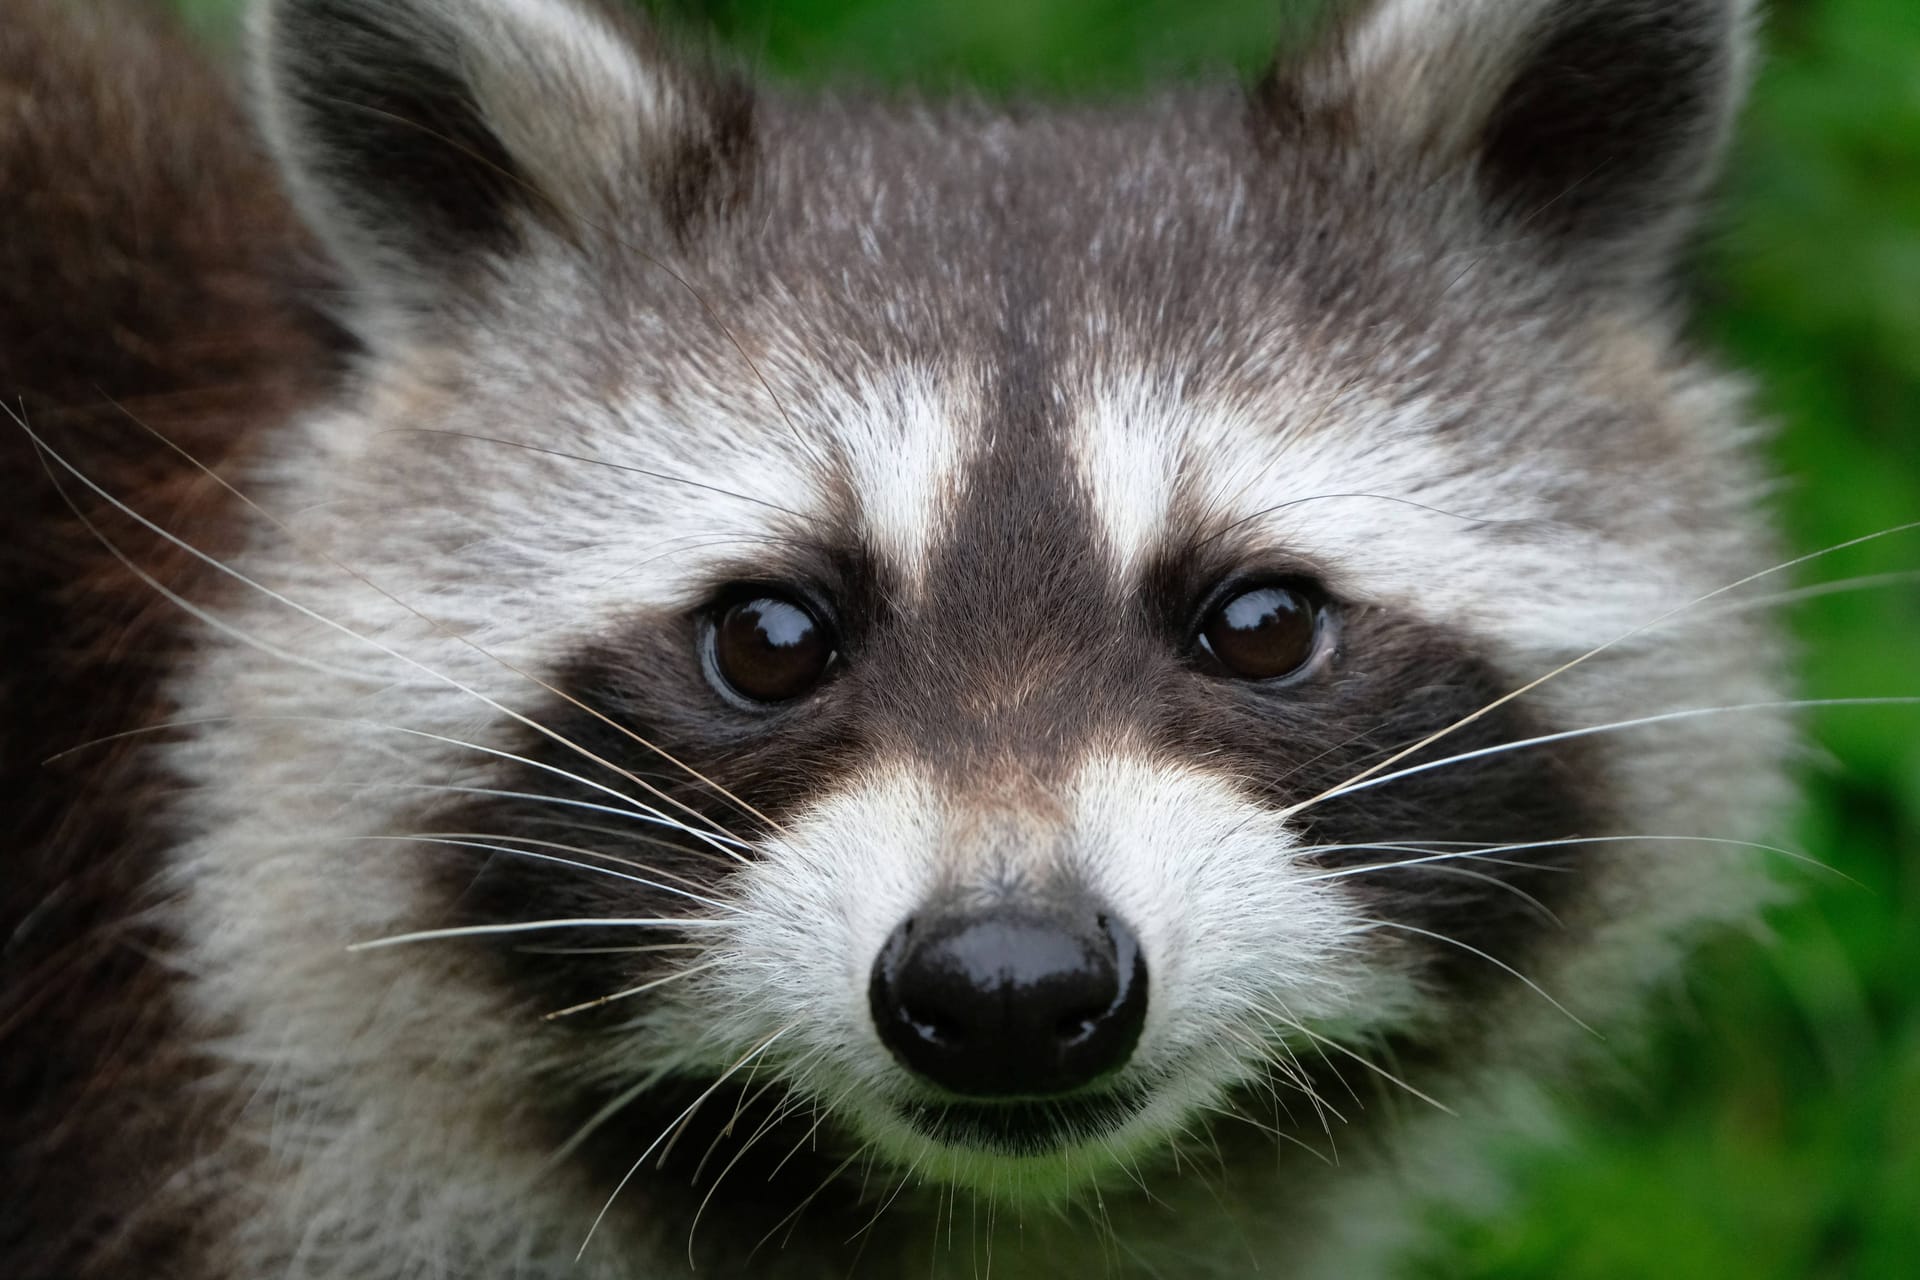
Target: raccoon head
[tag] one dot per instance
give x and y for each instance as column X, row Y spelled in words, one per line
column 995, row 627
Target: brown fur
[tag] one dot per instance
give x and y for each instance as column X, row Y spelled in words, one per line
column 132, row 291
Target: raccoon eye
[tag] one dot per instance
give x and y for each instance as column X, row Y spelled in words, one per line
column 768, row 648
column 1262, row 633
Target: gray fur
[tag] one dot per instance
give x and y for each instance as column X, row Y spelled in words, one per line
column 1012, row 389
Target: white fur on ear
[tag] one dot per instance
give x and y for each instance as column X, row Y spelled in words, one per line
column 1597, row 121
column 421, row 136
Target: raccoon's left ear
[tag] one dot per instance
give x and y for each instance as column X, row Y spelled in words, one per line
column 428, row 140
column 1598, row 123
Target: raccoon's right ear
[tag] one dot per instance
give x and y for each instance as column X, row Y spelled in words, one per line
column 1591, row 125
column 426, row 140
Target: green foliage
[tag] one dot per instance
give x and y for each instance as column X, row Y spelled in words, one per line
column 1775, row 1127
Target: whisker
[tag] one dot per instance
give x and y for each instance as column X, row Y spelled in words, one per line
column 533, row 926
column 1322, row 1108
column 1815, row 591
column 432, row 622
column 613, row 1107
column 611, row 951
column 1376, row 497
column 644, row 987
column 642, row 812
column 829, row 1180
column 820, row 1114
column 1292, row 1020
column 610, row 464
column 1292, row 1074
column 1546, row 913
column 649, row 818
column 1494, row 960
column 1594, row 652
column 785, row 1110
column 193, row 610
column 726, row 1075
column 1274, row 1131
column 1368, row 1063
column 1365, row 781
column 887, row 1204
column 585, row 853
column 461, row 842
column 1480, row 851
column 787, row 1106
column 624, row 835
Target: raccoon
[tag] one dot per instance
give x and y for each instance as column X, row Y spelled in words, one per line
column 615, row 672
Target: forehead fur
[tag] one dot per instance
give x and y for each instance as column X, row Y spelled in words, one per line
column 1209, row 315
column 817, row 317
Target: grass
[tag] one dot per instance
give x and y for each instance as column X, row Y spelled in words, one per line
column 1772, row 1128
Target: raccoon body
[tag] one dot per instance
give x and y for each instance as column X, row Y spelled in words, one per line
column 668, row 675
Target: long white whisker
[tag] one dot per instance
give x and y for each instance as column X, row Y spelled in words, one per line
column 794, row 1215
column 782, row 1112
column 280, row 598
column 614, row 1106
column 726, row 1075
column 457, row 841
column 786, row 1107
column 611, row 951
column 622, row 834
column 1294, row 1073
column 1480, row 850
column 602, row 854
column 605, row 462
column 1494, row 960
column 1365, row 1061
column 1690, row 713
column 533, row 926
column 1814, row 591
column 820, row 1114
column 887, row 1204
column 203, row 616
column 1597, row 650
column 644, row 987
column 1289, row 1018
column 1496, row 882
column 1273, row 1131
column 640, row 810
column 437, row 625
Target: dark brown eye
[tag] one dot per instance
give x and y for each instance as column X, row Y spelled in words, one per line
column 1262, row 634
column 769, row 649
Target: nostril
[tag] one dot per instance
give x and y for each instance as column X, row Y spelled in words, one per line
column 1005, row 1002
column 932, row 1026
column 1076, row 1027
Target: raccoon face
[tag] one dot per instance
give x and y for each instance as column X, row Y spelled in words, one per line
column 994, row 631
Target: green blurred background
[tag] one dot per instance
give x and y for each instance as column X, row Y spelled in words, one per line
column 1772, row 1129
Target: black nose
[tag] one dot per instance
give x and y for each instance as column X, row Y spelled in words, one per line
column 999, row 1002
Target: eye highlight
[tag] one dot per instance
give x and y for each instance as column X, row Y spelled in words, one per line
column 767, row 648
column 1265, row 632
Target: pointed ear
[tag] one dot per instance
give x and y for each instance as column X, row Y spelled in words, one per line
column 1598, row 122
column 427, row 139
